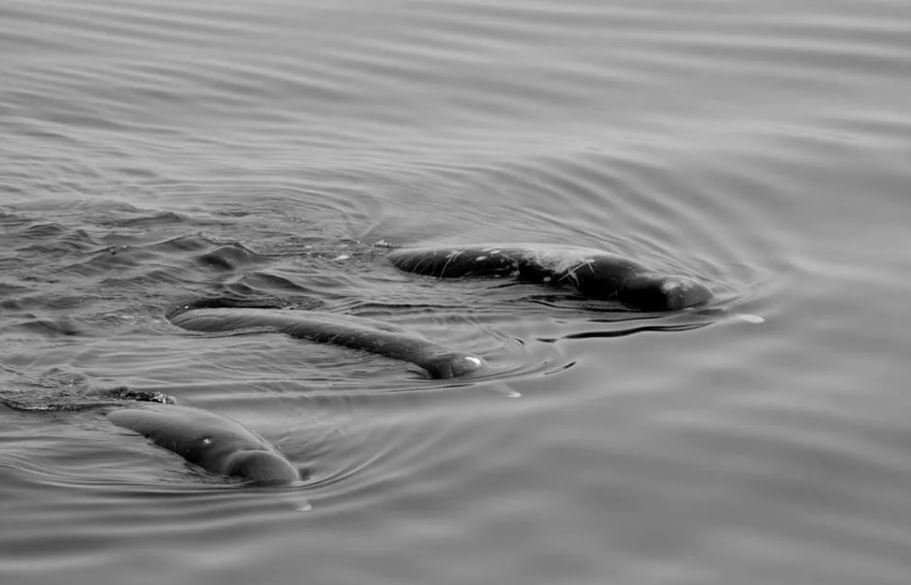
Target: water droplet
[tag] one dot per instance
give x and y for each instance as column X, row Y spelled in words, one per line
column 750, row 318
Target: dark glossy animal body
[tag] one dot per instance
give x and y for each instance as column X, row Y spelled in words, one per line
column 353, row 332
column 216, row 443
column 591, row 273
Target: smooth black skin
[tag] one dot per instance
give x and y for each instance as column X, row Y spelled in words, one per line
column 216, row 443
column 353, row 332
column 592, row 273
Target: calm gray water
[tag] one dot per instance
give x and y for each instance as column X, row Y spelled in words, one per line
column 158, row 152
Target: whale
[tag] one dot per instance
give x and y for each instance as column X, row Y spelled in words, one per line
column 589, row 272
column 218, row 444
column 360, row 333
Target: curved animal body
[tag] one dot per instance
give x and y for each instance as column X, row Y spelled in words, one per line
column 216, row 443
column 353, row 332
column 591, row 273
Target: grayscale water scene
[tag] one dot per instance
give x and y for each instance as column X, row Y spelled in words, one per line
column 454, row 292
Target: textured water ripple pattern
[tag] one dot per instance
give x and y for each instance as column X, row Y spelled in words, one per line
column 154, row 154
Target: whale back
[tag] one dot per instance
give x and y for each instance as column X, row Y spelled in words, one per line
column 216, row 443
column 342, row 330
column 592, row 273
column 489, row 261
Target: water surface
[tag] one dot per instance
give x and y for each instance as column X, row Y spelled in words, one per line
column 156, row 153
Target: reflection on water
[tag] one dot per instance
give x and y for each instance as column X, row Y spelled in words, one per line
column 272, row 152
